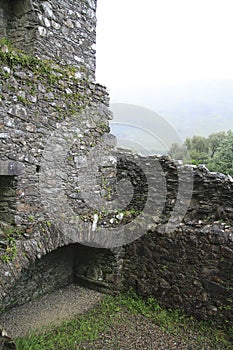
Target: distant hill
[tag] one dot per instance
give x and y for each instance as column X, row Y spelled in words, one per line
column 141, row 129
column 197, row 108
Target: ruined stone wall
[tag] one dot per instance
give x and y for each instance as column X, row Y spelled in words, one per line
column 44, row 275
column 3, row 19
column 49, row 121
column 189, row 267
column 201, row 194
column 52, row 118
column 7, row 198
column 36, row 104
column 75, row 263
column 63, row 30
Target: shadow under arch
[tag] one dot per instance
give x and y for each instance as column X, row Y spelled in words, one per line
column 94, row 268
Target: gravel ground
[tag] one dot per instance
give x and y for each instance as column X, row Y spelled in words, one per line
column 55, row 308
column 126, row 331
column 136, row 332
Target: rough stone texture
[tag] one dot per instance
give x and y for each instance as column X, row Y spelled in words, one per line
column 75, row 263
column 52, row 118
column 190, row 267
column 53, row 271
column 96, row 268
column 7, row 198
column 5, row 341
column 157, row 179
column 46, row 108
column 63, row 30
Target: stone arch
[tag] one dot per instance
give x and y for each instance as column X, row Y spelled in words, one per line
column 94, row 268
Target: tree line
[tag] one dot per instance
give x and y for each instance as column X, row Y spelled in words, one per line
column 214, row 151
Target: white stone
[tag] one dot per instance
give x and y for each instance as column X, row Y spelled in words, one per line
column 18, row 111
column 42, row 31
column 69, row 23
column 90, row 124
column 93, row 46
column 22, row 93
column 30, row 128
column 68, row 91
column 3, row 135
column 120, row 216
column 95, row 221
column 78, row 59
column 32, row 99
column 7, row 274
column 7, row 70
column 40, row 17
column 77, row 75
column 91, row 13
column 56, row 25
column 47, row 22
column 48, row 10
column 179, row 162
column 9, row 122
column 5, row 48
column 92, row 3
column 81, row 161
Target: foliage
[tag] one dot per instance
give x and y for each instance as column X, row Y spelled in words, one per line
column 197, row 147
column 215, row 151
column 10, row 250
column 222, row 161
column 179, row 152
column 59, row 80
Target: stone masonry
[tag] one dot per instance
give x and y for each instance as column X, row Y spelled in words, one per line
column 53, row 115
column 63, row 31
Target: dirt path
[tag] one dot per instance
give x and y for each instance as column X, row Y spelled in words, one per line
column 53, row 308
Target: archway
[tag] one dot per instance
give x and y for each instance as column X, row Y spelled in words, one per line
column 75, row 263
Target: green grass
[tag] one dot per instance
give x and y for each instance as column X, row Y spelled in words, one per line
column 70, row 335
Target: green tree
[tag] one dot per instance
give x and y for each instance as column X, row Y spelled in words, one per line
column 215, row 151
column 197, row 147
column 214, row 141
column 179, row 152
column 222, row 160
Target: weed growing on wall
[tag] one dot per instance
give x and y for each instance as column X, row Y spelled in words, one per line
column 8, row 244
column 59, row 80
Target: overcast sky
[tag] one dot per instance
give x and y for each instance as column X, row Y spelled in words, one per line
column 150, row 43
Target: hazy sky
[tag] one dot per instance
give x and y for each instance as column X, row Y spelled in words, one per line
column 150, row 43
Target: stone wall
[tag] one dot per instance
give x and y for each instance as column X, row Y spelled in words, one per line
column 91, row 267
column 63, row 30
column 44, row 275
column 97, row 268
column 36, row 103
column 191, row 266
column 7, row 198
column 50, row 119
column 53, row 127
column 204, row 195
column 190, row 269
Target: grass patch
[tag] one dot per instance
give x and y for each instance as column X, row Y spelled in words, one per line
column 113, row 312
